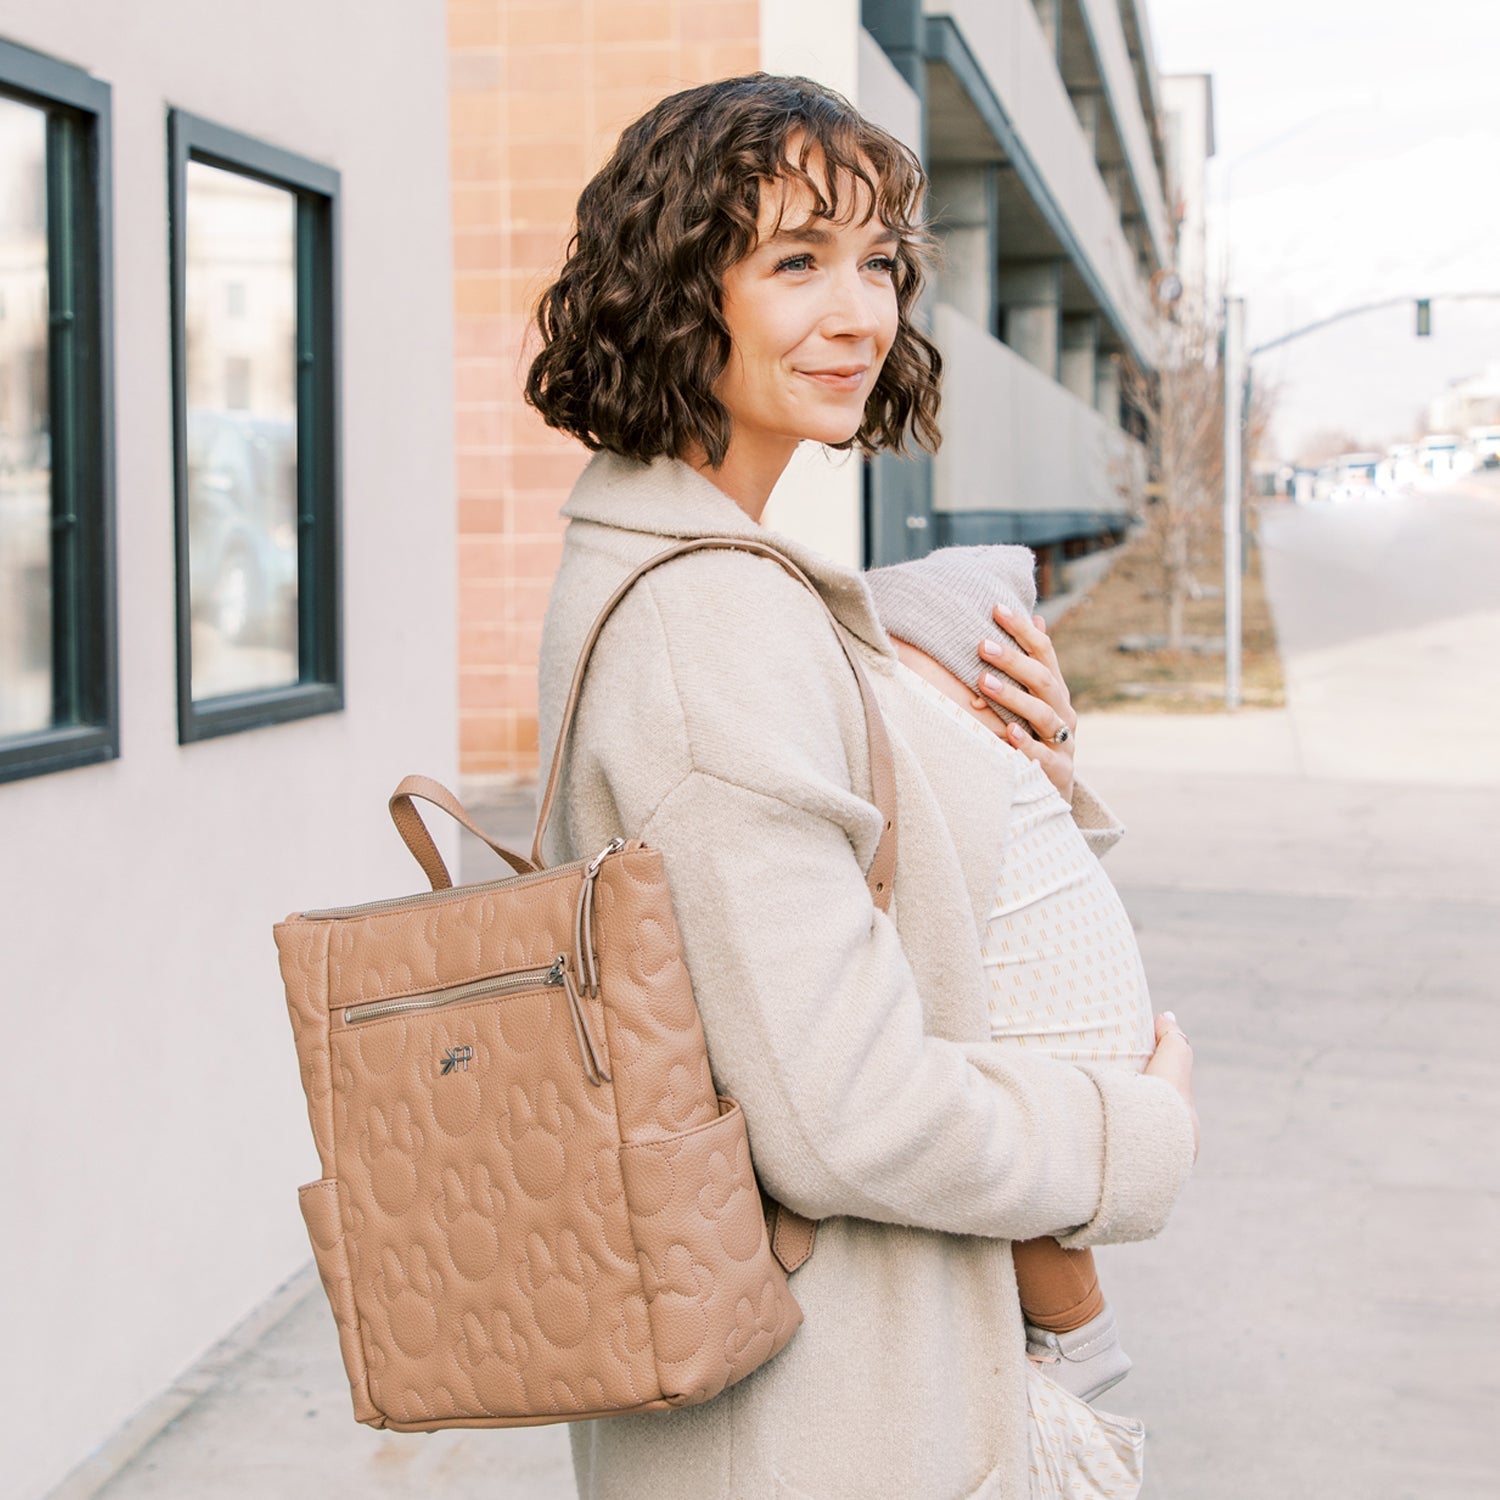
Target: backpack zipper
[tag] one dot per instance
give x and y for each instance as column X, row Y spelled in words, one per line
column 555, row 974
column 510, row 983
column 426, row 898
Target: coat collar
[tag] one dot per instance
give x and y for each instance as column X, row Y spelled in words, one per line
column 668, row 499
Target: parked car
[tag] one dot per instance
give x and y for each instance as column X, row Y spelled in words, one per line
column 242, row 524
column 1484, row 444
column 1441, row 456
column 1354, row 476
column 1398, row 469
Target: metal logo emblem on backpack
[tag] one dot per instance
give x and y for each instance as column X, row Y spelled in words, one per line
column 456, row 1058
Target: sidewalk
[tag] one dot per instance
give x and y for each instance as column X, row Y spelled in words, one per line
column 1319, row 1317
column 1316, row 894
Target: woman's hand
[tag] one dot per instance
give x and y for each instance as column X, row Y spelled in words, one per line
column 1173, row 1060
column 1041, row 699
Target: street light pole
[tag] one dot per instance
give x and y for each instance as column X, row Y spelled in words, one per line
column 1234, row 387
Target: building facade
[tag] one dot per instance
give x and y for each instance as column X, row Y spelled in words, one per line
column 1188, row 115
column 1039, row 124
column 276, row 527
column 227, row 540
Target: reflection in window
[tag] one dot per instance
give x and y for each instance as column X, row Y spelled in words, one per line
column 241, row 431
column 26, row 675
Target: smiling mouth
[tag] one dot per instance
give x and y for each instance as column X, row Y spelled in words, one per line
column 848, row 378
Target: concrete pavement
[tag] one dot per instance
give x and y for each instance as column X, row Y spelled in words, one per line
column 1316, row 895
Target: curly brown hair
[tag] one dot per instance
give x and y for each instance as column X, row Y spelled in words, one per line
column 633, row 336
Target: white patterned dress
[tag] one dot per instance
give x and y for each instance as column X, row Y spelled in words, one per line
column 1064, row 975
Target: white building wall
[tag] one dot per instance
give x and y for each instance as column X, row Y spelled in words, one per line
column 818, row 498
column 1016, row 440
column 1113, row 56
column 149, row 1099
column 1009, row 44
column 885, row 97
column 1187, row 104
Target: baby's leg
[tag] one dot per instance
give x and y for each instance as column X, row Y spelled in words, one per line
column 1059, row 1288
column 1070, row 1331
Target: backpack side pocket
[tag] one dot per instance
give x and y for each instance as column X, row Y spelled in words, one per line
column 325, row 1228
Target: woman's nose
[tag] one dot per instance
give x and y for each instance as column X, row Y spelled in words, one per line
column 852, row 312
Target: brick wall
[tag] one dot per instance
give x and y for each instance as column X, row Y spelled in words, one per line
column 538, row 93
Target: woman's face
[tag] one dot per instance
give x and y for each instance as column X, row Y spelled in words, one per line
column 811, row 314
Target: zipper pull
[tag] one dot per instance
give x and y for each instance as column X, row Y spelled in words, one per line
column 592, row 1066
column 612, row 847
column 583, row 920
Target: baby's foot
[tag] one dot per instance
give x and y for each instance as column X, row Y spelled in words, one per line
column 1085, row 1361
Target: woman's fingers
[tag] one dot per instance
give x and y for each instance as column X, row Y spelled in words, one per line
column 1053, row 755
column 1030, row 632
column 1032, row 661
column 1173, row 1058
column 1166, row 1025
column 1173, row 1062
column 1046, row 719
column 1057, row 764
column 1027, row 670
column 1035, row 692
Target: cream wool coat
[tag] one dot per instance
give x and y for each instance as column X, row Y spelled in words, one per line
column 720, row 722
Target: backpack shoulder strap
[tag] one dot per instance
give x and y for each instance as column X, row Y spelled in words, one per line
column 882, row 767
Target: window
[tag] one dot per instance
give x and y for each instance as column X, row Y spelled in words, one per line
column 254, row 254
column 57, row 605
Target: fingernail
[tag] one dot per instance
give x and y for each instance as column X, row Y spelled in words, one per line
column 1009, row 614
column 1168, row 1015
column 1016, row 733
column 993, row 648
column 992, row 684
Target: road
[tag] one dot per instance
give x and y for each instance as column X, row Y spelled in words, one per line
column 1316, row 895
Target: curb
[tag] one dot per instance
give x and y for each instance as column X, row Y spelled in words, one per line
column 137, row 1433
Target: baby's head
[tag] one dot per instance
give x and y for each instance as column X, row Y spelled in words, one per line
column 943, row 604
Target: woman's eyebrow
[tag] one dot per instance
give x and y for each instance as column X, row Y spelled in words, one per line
column 801, row 234
column 810, row 234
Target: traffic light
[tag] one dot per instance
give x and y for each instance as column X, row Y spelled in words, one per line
column 1424, row 318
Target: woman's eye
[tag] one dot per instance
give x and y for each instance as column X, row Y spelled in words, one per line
column 884, row 264
column 795, row 263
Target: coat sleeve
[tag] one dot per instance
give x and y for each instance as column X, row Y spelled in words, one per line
column 812, row 1013
column 1101, row 829
column 814, row 1024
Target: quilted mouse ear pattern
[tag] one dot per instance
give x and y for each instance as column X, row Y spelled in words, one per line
column 533, row 1206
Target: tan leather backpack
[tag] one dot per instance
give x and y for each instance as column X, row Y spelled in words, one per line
column 533, row 1205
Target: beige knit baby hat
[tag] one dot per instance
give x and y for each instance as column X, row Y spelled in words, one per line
column 942, row 604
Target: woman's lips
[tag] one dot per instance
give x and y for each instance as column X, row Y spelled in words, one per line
column 844, row 378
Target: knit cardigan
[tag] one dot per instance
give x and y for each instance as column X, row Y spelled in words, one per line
column 720, row 722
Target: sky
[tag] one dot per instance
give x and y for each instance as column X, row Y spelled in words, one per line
column 1359, row 148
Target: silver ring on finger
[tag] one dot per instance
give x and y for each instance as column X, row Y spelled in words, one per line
column 1063, row 735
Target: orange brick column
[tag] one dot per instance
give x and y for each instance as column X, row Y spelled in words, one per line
column 539, row 91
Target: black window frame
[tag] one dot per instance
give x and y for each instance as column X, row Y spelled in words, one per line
column 85, row 727
column 316, row 189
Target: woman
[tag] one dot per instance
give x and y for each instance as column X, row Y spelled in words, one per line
column 742, row 280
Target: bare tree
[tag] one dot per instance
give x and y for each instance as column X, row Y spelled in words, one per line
column 1181, row 403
